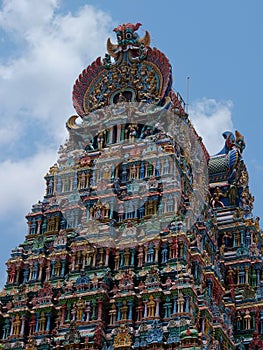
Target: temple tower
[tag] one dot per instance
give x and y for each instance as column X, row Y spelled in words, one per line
column 142, row 240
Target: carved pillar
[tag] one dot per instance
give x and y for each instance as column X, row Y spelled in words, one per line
column 175, row 306
column 40, row 271
column 246, row 274
column 37, row 323
column 130, row 304
column 145, row 254
column 88, row 310
column 68, row 313
column 73, row 313
column 94, row 257
column 203, row 324
column 117, row 260
column 137, row 171
column 187, row 303
column 63, row 313
column 63, row 185
column 48, row 316
column 26, row 274
column 48, row 271
column 63, row 265
column 140, row 256
column 75, row 182
column 100, row 302
column 111, row 210
column 119, row 133
column 30, row 270
column 234, row 240
column 73, row 261
column 101, row 251
column 6, row 328
column 126, row 257
column 89, row 257
column 156, row 249
column 132, row 256
column 88, row 216
column 118, row 310
column 176, row 205
column 93, row 316
column 53, row 263
column 238, row 276
column 209, row 285
column 71, row 178
column 157, row 307
column 241, row 237
column 122, row 261
column 107, row 257
column 39, row 221
column 145, row 308
column 23, row 325
column 111, row 135
column 12, row 326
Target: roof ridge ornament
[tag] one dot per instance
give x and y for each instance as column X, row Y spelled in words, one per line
column 131, row 70
column 128, row 39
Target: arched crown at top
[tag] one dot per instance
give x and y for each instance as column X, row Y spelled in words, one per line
column 131, row 71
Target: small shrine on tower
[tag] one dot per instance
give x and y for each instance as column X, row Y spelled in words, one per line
column 142, row 239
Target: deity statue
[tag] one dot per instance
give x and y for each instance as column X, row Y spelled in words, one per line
column 80, row 305
column 151, row 306
column 16, row 325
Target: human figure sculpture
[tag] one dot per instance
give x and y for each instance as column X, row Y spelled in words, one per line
column 17, row 324
column 80, row 307
column 151, row 306
column 32, row 325
column 247, row 319
column 42, row 322
column 230, row 276
column 181, row 302
column 140, row 256
column 216, row 202
column 124, row 310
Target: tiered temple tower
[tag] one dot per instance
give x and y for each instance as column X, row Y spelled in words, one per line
column 142, row 240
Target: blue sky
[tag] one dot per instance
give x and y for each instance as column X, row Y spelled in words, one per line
column 218, row 44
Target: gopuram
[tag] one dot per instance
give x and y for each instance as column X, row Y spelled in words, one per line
column 142, row 240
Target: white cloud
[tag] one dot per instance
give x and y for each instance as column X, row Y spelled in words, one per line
column 30, row 15
column 211, row 118
column 23, row 182
column 38, row 83
column 9, row 131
